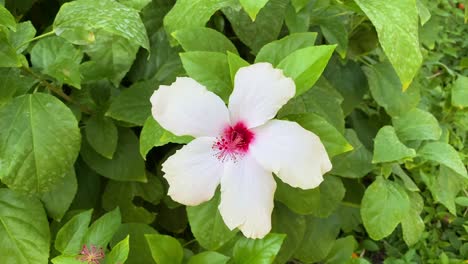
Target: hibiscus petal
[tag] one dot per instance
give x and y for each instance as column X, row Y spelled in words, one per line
column 294, row 154
column 247, row 192
column 259, row 92
column 188, row 108
column 193, row 172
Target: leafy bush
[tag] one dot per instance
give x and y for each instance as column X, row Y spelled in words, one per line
column 382, row 83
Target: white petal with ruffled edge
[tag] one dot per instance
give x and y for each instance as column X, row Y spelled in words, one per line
column 193, row 172
column 259, row 92
column 188, row 108
column 294, row 154
column 247, row 192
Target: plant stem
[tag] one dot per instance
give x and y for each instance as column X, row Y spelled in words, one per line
column 39, row 37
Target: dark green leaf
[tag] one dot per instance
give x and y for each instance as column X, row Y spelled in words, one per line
column 59, row 198
column 21, row 38
column 102, row 135
column 341, row 251
column 13, row 83
column 139, row 249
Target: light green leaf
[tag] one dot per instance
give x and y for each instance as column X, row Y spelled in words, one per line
column 58, row 58
column 151, row 192
column 207, row 225
column 192, row 13
column 397, row 19
column 306, row 65
column 203, row 39
column 69, row 237
column 252, row 7
column 299, row 4
column 388, row 147
column 66, row 260
column 20, row 39
column 165, row 249
column 8, row 53
column 445, row 154
column 119, row 252
column 319, row 238
column 275, row 51
column 235, row 63
column 13, row 83
column 320, row 201
column 102, row 230
column 210, row 69
column 383, row 207
column 126, row 165
column 407, row 181
column 460, row 90
column 102, row 135
column 333, row 141
column 265, row 28
column 354, row 164
column 78, row 21
column 33, row 157
column 258, row 251
column 139, row 249
column 6, row 19
column 386, row 89
column 412, row 224
column 153, row 135
column 341, row 251
column 24, row 229
column 59, row 198
column 423, row 11
column 208, row 257
column 417, row 124
column 133, row 105
column 292, row 225
column 135, row 4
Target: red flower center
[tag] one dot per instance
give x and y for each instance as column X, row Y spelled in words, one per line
column 233, row 143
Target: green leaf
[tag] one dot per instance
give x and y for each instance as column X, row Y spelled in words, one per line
column 333, row 24
column 388, row 147
column 102, row 135
column 192, row 13
column 122, row 194
column 383, row 207
column 139, row 249
column 6, row 19
column 24, row 229
column 299, row 4
column 292, row 225
column 258, row 251
column 13, row 83
column 59, row 198
column 462, row 201
column 203, row 39
column 235, row 63
column 407, row 181
column 397, row 20
column 264, row 29
column 58, row 58
column 89, row 187
column 8, row 53
column 66, row 260
column 119, row 252
column 111, row 58
column 153, row 135
column 275, row 51
column 354, row 164
column 386, row 89
column 34, row 156
column 78, row 21
column 319, row 238
column 101, row 231
column 207, row 225
column 412, row 224
column 133, row 105
column 333, row 141
column 320, row 202
column 69, row 237
column 459, row 90
column 322, row 100
column 165, row 249
column 126, row 165
column 306, row 65
column 423, row 11
column 135, row 4
column 445, row 154
column 20, row 39
column 208, row 257
column 341, row 251
column 210, row 69
column 417, row 124
column 252, row 7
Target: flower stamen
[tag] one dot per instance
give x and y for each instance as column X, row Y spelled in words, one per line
column 234, row 143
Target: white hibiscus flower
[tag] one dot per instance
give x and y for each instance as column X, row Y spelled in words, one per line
column 239, row 146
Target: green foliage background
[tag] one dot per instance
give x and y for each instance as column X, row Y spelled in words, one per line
column 383, row 83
